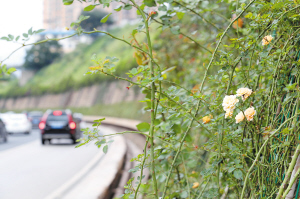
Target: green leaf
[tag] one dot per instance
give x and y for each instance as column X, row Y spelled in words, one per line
column 175, row 30
column 168, row 70
column 143, row 127
column 119, row 8
column 134, row 32
column 180, row 15
column 25, row 35
column 104, row 1
column 188, row 138
column 68, row 2
column 150, row 3
column 72, row 24
column 99, row 120
column 39, row 31
column 231, row 169
column 104, row 19
column 142, row 8
column 82, row 18
column 105, row 149
column 127, row 7
column 238, row 174
column 4, row 68
column 17, row 38
column 30, row 31
column 184, row 194
column 10, row 70
column 11, row 37
column 5, row 38
column 89, row 8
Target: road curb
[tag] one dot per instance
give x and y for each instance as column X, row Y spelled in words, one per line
column 82, row 184
column 86, row 177
column 118, row 122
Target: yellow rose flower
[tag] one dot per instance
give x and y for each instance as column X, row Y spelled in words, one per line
column 266, row 40
column 195, row 185
column 244, row 93
column 249, row 113
column 229, row 113
column 207, row 119
column 229, row 102
column 239, row 117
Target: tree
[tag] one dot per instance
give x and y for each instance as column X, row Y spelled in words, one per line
column 42, row 55
column 94, row 20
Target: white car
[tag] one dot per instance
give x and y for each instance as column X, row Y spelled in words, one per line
column 79, row 117
column 16, row 123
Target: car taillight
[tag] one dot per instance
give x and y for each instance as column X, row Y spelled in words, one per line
column 42, row 125
column 72, row 125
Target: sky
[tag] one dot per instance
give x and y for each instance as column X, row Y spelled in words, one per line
column 16, row 18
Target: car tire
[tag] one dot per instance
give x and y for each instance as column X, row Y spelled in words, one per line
column 74, row 141
column 5, row 139
column 43, row 141
column 27, row 132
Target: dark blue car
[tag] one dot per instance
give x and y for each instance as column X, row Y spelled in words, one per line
column 35, row 118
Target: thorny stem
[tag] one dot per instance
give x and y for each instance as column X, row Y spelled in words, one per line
column 142, row 169
column 36, row 43
column 288, row 174
column 203, row 189
column 291, row 184
column 218, row 45
column 186, row 177
column 258, row 155
column 151, row 131
column 190, row 38
column 193, row 11
column 179, row 150
column 210, row 63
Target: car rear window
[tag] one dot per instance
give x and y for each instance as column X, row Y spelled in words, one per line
column 18, row 117
column 53, row 118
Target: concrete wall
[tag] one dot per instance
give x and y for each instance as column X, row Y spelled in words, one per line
column 104, row 93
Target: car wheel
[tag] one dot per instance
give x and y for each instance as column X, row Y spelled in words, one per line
column 43, row 141
column 27, row 132
column 74, row 141
column 5, row 139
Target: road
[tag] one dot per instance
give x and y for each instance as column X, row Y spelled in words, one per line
column 30, row 170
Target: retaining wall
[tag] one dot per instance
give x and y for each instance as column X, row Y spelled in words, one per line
column 104, row 93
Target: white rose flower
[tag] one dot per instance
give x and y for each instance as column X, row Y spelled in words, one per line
column 228, row 113
column 229, row 102
column 249, row 113
column 244, row 93
column 239, row 117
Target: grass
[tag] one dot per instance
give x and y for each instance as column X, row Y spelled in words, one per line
column 130, row 110
column 68, row 71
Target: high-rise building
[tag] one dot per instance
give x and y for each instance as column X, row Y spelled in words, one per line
column 58, row 16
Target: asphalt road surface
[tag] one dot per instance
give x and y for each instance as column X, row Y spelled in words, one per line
column 30, row 170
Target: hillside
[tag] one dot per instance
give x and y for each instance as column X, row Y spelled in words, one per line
column 68, row 71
